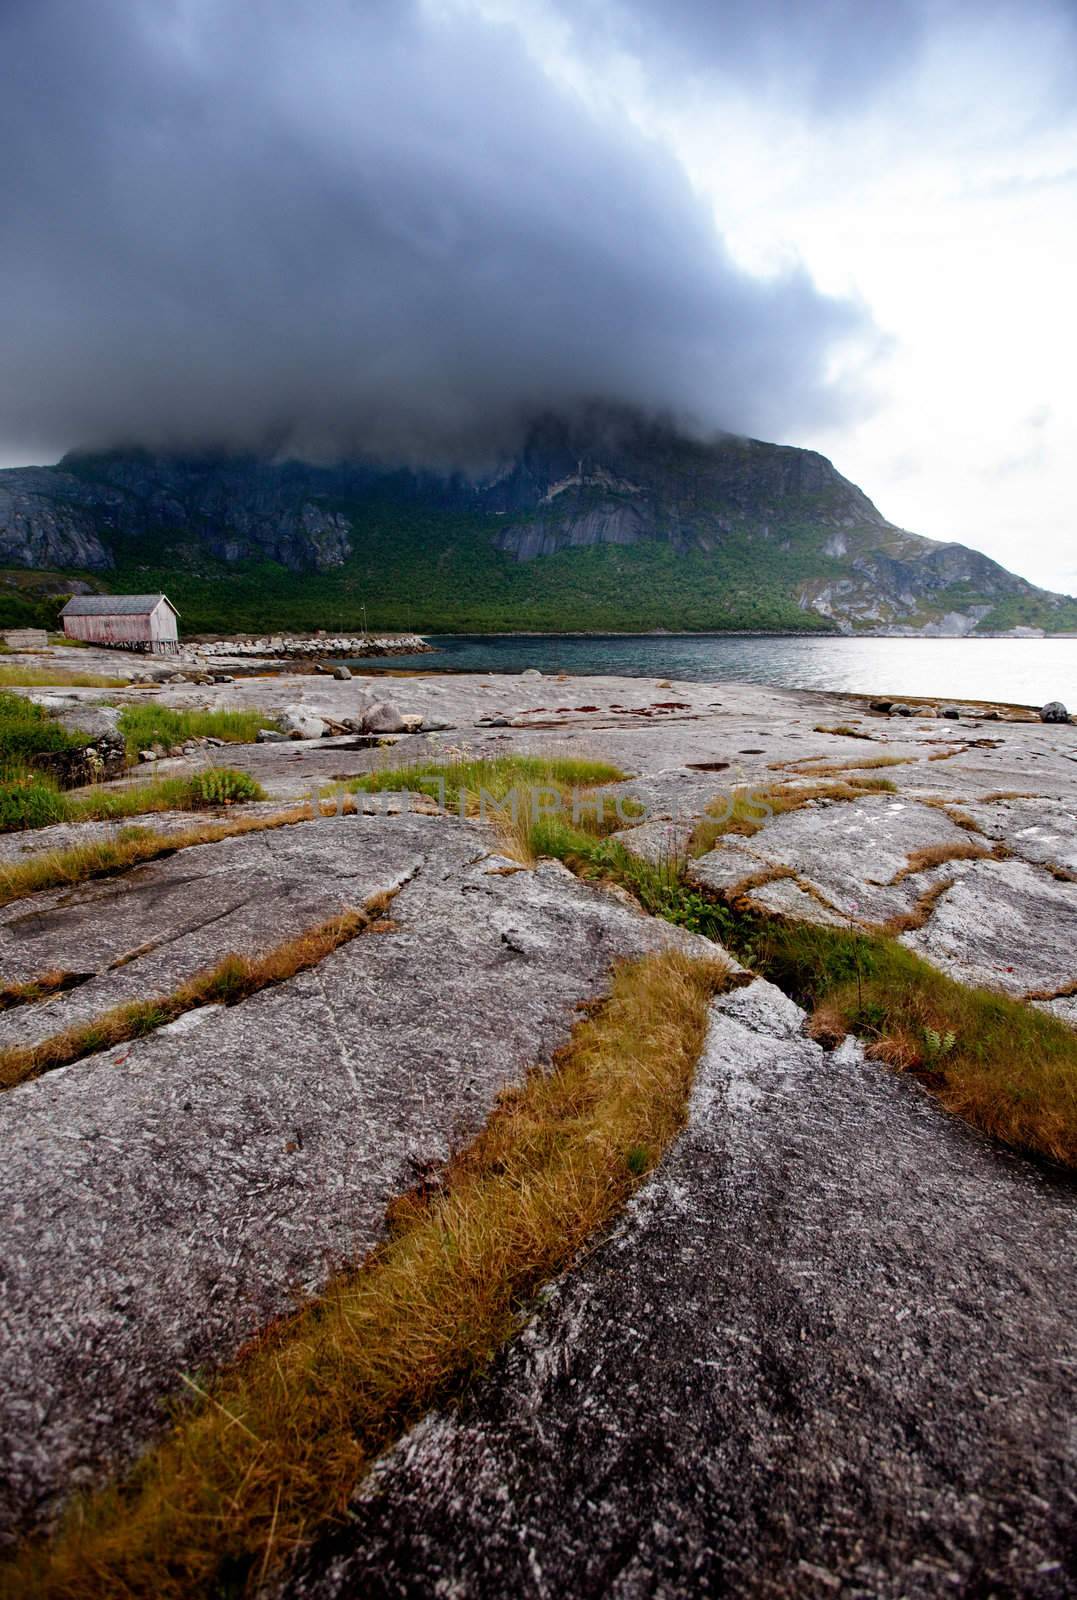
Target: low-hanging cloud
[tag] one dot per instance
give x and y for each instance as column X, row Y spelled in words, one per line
column 356, row 227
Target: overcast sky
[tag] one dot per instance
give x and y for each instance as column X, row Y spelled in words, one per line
column 403, row 225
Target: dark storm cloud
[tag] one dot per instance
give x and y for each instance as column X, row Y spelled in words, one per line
column 339, row 225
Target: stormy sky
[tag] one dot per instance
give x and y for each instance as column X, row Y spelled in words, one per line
column 403, row 226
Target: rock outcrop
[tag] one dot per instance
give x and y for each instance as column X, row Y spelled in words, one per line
column 818, row 1355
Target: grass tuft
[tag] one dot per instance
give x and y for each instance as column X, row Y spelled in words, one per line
column 937, row 855
column 845, row 729
column 272, row 1450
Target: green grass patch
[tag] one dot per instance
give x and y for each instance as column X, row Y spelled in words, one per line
column 461, row 784
column 1004, row 1066
column 34, row 801
column 145, row 726
column 30, row 798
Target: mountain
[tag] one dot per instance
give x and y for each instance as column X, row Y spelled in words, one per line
column 607, row 521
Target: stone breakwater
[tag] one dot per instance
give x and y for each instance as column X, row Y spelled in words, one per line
column 319, row 645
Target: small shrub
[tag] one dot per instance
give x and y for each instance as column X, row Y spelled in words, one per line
column 224, row 786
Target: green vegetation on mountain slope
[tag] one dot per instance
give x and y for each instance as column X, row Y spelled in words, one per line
column 439, row 572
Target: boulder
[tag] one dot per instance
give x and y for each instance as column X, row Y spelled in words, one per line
column 412, row 721
column 1054, row 711
column 342, row 672
column 383, row 717
column 880, row 705
column 531, row 672
column 271, row 736
column 299, row 722
column 97, row 721
column 952, row 713
column 900, row 709
column 437, row 725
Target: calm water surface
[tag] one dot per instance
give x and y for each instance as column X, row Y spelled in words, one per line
column 1025, row 671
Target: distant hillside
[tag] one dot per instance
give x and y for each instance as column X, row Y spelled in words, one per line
column 608, row 522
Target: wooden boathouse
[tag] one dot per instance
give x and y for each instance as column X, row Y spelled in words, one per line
column 123, row 621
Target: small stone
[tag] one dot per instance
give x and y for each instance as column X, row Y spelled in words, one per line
column 271, row 736
column 342, row 672
column 1054, row 711
column 412, row 721
column 531, row 672
column 951, row 713
column 147, row 755
column 900, row 709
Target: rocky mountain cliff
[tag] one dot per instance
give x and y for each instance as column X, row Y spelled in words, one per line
column 736, row 510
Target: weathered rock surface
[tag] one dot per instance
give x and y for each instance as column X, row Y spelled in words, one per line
column 849, row 852
column 1006, row 926
column 163, row 1200
column 148, row 931
column 827, row 1350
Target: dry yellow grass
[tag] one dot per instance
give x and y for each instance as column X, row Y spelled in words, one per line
column 844, row 729
column 909, row 921
column 936, row 855
column 232, row 978
column 960, row 818
column 20, row 994
column 56, row 677
column 274, row 1448
column 819, row 766
column 1001, row 1064
column 746, row 810
column 55, row 869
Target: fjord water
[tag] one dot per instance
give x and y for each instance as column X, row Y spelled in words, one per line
column 1020, row 671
